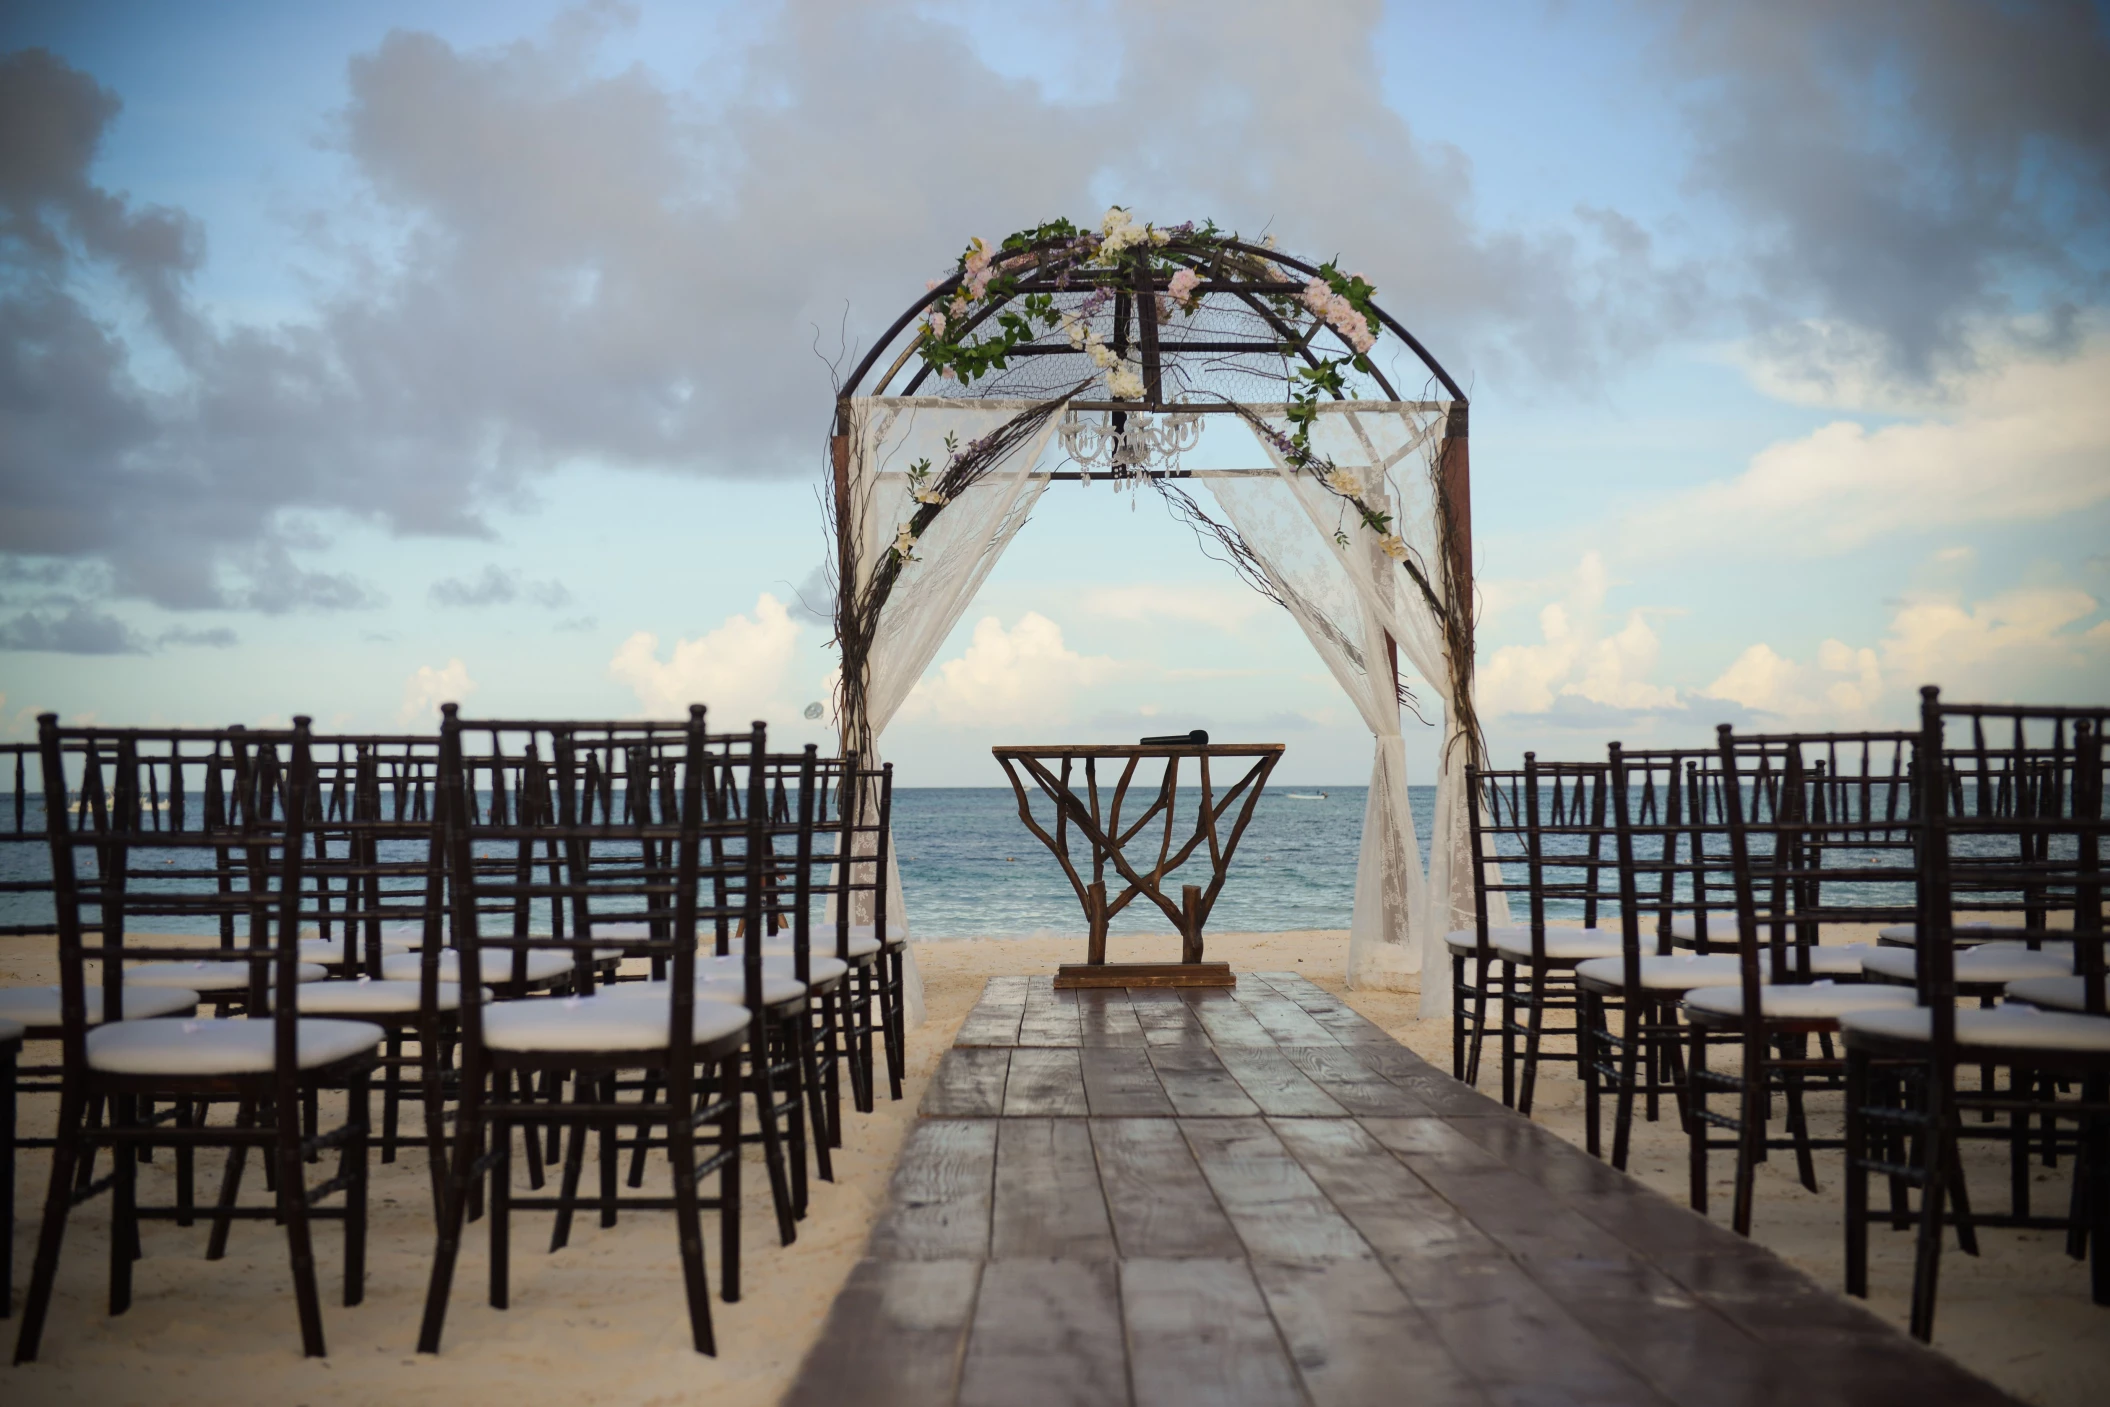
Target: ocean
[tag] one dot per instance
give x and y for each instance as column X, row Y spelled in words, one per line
column 970, row 868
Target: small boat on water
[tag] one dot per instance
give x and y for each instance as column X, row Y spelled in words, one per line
column 1304, row 796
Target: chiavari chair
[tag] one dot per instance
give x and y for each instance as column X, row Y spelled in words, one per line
column 1495, row 815
column 113, row 880
column 1567, row 861
column 553, row 845
column 2014, row 827
column 1821, row 833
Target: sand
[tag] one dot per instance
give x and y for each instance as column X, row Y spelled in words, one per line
column 602, row 1320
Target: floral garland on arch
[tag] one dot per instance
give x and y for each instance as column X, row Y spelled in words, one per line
column 986, row 318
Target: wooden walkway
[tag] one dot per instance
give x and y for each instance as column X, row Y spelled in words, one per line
column 1256, row 1196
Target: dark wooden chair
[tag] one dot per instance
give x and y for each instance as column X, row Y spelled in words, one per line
column 550, row 845
column 1496, row 827
column 138, row 867
column 1568, row 863
column 2018, row 826
column 1821, row 833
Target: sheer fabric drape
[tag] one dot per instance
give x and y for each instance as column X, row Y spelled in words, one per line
column 954, row 557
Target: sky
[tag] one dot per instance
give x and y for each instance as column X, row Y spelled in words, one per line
column 356, row 358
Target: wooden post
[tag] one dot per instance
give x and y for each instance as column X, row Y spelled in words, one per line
column 1095, row 918
column 1191, row 923
column 1457, row 484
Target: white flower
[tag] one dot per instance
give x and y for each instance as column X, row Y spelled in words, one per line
column 1116, row 219
column 1342, row 481
column 905, row 543
column 1125, row 382
column 930, row 494
column 1101, row 357
column 1393, row 546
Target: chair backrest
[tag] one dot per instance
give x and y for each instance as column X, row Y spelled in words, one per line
column 865, row 879
column 2015, row 819
column 1671, row 848
column 1823, row 829
column 191, row 825
column 25, row 849
column 377, row 854
column 1568, row 841
column 547, row 858
column 1496, row 831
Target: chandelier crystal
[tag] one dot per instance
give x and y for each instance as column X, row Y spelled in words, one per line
column 1146, row 444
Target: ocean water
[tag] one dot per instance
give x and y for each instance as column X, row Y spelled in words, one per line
column 970, row 868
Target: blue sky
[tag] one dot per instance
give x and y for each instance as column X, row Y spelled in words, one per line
column 358, row 356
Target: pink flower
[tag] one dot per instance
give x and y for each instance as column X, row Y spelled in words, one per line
column 1182, row 287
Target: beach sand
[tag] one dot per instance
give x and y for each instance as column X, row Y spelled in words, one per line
column 602, row 1320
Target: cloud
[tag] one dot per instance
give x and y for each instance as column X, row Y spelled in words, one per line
column 498, row 587
column 736, row 671
column 1902, row 169
column 1219, row 607
column 428, row 688
column 2028, row 440
column 1842, row 687
column 1021, row 677
column 81, row 629
column 1577, row 660
column 217, row 638
column 541, row 209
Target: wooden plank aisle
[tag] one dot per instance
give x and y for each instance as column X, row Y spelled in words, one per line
column 1254, row 1195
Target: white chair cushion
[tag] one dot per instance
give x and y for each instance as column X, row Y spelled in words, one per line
column 1968, row 931
column 366, row 997
column 1562, row 944
column 2024, row 1027
column 492, row 965
column 208, row 976
column 9, row 1030
column 1467, row 940
column 1988, row 962
column 1802, row 1001
column 824, row 944
column 818, row 969
column 600, row 1022
column 37, row 1007
column 331, row 950
column 2058, row 993
column 171, row 1046
column 1679, row 972
column 775, row 989
column 896, row 935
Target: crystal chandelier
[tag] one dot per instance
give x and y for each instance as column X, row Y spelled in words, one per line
column 1147, row 444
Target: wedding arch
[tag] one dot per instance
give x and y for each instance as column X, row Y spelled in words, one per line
column 1158, row 359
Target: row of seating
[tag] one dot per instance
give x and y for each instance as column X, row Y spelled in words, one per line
column 1699, row 886
column 647, row 936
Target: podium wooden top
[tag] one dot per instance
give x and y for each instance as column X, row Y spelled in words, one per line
column 1113, row 750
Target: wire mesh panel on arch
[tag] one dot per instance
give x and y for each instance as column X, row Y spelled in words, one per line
column 1331, row 444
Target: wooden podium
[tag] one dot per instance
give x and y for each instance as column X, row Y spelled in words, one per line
column 1096, row 816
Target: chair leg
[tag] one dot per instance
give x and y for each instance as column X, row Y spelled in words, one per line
column 681, row 1154
column 1588, row 1004
column 461, row 1171
column 1934, row 1166
column 7, row 1180
column 1750, row 1131
column 1857, row 1174
column 1798, row 1117
column 814, row 1103
column 728, row 1090
column 574, row 1164
column 124, row 1202
column 831, row 1010
column 392, row 1090
column 1509, row 1034
column 353, row 1167
column 1634, row 1016
column 1458, row 999
column 186, row 1158
column 760, row 1088
column 1696, row 1140
column 230, row 1184
column 500, row 1207
column 610, row 1173
column 58, row 1200
column 300, row 1245
column 1536, row 1030
column 637, row 1154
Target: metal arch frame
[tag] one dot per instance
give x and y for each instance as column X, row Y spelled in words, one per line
column 1136, row 281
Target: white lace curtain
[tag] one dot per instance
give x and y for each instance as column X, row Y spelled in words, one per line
column 1347, row 599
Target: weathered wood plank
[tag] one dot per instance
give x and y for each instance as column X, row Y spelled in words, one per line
column 1199, row 1332
column 1160, row 1204
column 893, row 1338
column 1278, row 1210
column 1282, row 1018
column 938, row 1205
column 1198, row 1085
column 1434, row 1088
column 1340, row 1071
column 1119, row 1082
column 1277, row 1086
column 1226, row 1020
column 995, row 1018
column 1051, row 1016
column 1356, row 1339
column 1392, row 1209
column 1347, row 1025
column 1107, row 1019
column 1048, row 1203
column 1044, row 1083
column 1045, row 1332
column 969, row 1084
